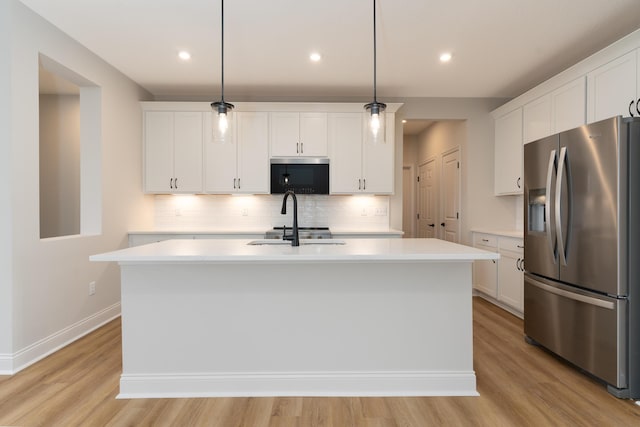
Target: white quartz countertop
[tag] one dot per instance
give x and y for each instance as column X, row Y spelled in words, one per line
column 339, row 231
column 351, row 250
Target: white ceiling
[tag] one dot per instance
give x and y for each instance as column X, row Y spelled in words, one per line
column 501, row 47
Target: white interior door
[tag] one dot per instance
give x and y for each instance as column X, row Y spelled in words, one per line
column 427, row 199
column 451, row 196
column 408, row 201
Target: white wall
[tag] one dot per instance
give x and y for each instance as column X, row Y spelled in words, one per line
column 6, row 250
column 480, row 208
column 51, row 277
column 59, row 165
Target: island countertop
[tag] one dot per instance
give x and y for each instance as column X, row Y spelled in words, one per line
column 348, row 250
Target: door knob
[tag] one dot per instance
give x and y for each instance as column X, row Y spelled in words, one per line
column 431, row 225
column 442, row 224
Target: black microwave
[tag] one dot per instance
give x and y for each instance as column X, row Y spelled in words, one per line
column 300, row 175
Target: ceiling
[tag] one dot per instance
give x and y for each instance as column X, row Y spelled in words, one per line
column 501, row 48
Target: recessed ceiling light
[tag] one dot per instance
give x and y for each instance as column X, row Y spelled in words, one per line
column 184, row 55
column 446, row 57
column 315, row 57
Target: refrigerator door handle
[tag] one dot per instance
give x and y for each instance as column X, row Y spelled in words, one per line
column 551, row 239
column 571, row 295
column 562, row 248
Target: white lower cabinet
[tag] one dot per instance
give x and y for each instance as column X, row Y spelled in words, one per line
column 503, row 282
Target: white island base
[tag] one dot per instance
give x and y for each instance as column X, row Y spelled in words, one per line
column 308, row 321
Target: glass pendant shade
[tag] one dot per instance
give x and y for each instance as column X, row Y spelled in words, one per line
column 375, row 131
column 222, row 123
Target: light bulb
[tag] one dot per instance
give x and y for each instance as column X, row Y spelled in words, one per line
column 223, row 124
column 375, row 123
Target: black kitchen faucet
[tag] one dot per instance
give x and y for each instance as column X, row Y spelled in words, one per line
column 295, row 239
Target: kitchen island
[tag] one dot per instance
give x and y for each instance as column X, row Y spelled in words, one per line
column 357, row 317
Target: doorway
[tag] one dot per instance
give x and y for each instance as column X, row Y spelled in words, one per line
column 434, row 148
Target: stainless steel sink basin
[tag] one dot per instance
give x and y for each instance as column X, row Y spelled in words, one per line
column 302, row 242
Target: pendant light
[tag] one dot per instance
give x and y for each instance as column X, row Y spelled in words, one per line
column 376, row 120
column 222, row 110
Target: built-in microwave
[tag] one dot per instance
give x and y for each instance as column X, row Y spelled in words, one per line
column 302, row 175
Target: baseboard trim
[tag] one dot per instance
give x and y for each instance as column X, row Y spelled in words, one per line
column 337, row 384
column 12, row 364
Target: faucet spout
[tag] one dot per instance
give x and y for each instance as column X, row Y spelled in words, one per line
column 295, row 239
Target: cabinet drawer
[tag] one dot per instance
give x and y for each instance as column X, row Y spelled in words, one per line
column 485, row 240
column 511, row 244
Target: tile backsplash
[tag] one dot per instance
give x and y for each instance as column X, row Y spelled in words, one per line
column 261, row 212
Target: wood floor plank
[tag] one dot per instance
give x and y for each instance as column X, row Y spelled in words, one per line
column 519, row 385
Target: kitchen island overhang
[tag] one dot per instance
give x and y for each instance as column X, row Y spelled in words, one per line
column 372, row 317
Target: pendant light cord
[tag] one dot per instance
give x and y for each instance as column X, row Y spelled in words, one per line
column 374, row 52
column 222, row 52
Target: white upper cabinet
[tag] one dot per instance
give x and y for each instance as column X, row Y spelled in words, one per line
column 298, row 134
column 613, row 89
column 240, row 165
column 508, row 153
column 173, row 152
column 562, row 109
column 569, row 105
column 358, row 167
column 537, row 119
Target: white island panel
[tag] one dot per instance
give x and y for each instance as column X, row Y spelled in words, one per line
column 279, row 322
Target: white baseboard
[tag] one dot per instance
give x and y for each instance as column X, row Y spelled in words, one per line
column 11, row 364
column 6, row 364
column 259, row 384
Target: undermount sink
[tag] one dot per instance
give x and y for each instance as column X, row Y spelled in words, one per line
column 302, row 242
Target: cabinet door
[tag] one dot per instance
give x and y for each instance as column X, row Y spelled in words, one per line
column 345, row 147
column 377, row 162
column 285, row 134
column 220, row 162
column 158, row 152
column 508, row 153
column 611, row 88
column 485, row 276
column 569, row 105
column 187, row 152
column 313, row 134
column 510, row 280
column 536, row 118
column 253, row 152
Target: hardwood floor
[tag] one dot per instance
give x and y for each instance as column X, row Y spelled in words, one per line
column 519, row 385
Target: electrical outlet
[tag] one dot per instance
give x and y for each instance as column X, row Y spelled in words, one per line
column 92, row 288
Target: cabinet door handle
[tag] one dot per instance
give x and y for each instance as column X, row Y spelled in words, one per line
column 234, row 183
column 238, row 183
column 175, row 183
column 297, row 148
column 522, row 264
column 442, row 224
column 364, row 184
column 520, row 246
column 630, row 104
column 359, row 184
column 485, row 240
column 171, row 183
column 302, row 148
column 638, row 105
column 518, row 264
column 518, row 182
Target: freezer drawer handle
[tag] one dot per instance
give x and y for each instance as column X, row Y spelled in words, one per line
column 630, row 105
column 576, row 297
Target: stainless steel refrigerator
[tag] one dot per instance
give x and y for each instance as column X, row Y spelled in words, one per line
column 582, row 257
